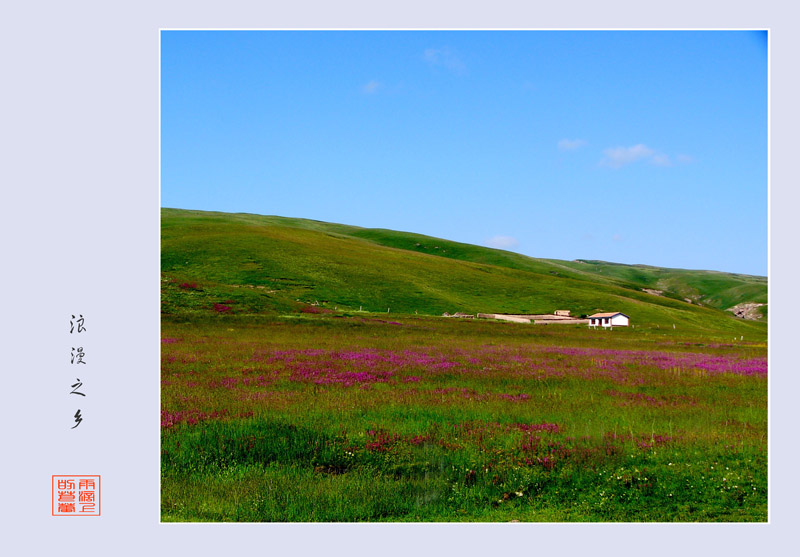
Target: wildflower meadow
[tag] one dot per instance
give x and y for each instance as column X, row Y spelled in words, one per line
column 334, row 416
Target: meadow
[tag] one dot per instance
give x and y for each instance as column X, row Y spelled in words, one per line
column 307, row 376
column 314, row 415
column 264, row 264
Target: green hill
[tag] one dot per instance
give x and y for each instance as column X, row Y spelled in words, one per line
column 716, row 289
column 243, row 263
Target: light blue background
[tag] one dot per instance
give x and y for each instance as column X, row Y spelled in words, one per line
column 81, row 233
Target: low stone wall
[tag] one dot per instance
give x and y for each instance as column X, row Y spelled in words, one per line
column 504, row 317
column 560, row 321
column 535, row 319
column 548, row 317
column 512, row 318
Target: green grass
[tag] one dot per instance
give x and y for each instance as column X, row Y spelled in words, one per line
column 269, row 264
column 277, row 410
column 254, row 441
column 715, row 289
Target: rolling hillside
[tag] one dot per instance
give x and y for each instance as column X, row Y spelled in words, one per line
column 243, row 263
column 712, row 288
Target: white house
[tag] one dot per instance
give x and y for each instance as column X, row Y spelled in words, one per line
column 613, row 319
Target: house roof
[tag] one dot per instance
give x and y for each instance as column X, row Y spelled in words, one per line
column 611, row 314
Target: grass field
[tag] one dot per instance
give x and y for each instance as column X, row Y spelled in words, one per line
column 260, row 264
column 282, row 401
column 320, row 417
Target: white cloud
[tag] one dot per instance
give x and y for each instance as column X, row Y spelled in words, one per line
column 371, row 87
column 570, row 144
column 661, row 159
column 502, row 242
column 618, row 157
column 445, row 58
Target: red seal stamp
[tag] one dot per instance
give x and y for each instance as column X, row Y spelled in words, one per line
column 76, row 495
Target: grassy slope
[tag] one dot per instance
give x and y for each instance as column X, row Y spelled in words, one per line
column 350, row 267
column 716, row 289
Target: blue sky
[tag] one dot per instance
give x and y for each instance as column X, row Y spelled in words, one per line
column 632, row 147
